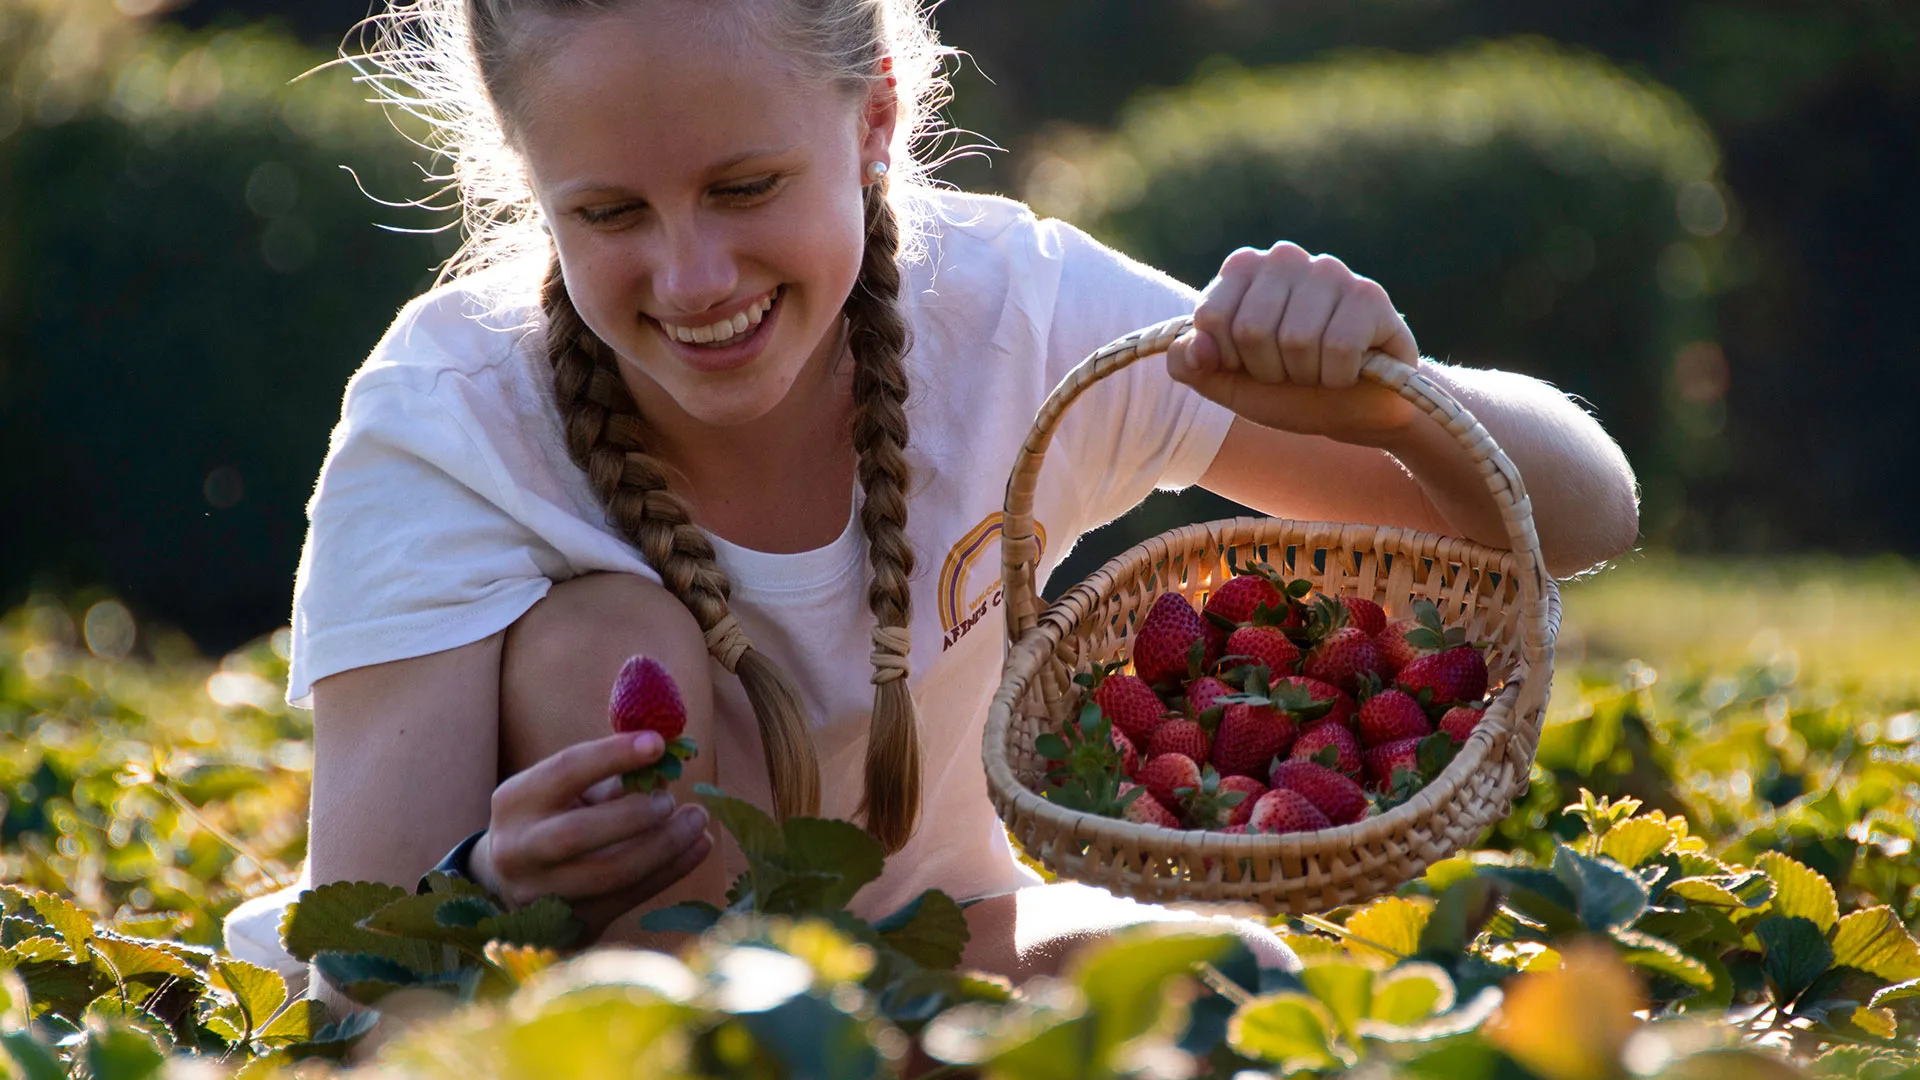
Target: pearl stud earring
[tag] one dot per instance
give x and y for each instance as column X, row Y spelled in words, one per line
column 876, row 171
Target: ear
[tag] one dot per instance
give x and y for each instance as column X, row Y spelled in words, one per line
column 880, row 116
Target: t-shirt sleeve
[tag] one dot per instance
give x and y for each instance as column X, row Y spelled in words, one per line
column 1137, row 430
column 411, row 546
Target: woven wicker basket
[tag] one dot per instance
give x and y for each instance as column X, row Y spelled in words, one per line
column 1501, row 597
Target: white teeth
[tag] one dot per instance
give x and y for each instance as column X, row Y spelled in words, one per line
column 724, row 331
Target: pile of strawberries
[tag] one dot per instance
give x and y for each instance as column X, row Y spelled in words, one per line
column 1275, row 709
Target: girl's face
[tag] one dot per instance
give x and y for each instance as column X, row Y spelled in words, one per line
column 705, row 197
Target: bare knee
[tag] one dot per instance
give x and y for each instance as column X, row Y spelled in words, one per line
column 559, row 660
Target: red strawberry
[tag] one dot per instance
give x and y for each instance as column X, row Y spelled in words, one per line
column 1249, row 738
column 1179, row 736
column 1335, row 794
column 1392, row 648
column 1328, row 733
column 1458, row 674
column 1147, row 810
column 1203, row 693
column 1383, row 761
column 1165, row 637
column 1264, row 645
column 1235, row 602
column 1343, row 708
column 1365, row 614
column 1390, row 716
column 645, row 698
column 1130, row 704
column 1164, row 774
column 1129, row 757
column 1251, row 790
column 1461, row 720
column 1341, row 658
column 1284, row 811
column 1237, row 830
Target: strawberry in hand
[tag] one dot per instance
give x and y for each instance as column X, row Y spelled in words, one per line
column 645, row 698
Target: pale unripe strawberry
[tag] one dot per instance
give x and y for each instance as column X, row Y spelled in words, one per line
column 1328, row 733
column 1390, row 716
column 1165, row 637
column 1335, row 794
column 1179, row 737
column 1130, row 705
column 1146, row 810
column 1365, row 614
column 645, row 698
column 1285, row 811
column 1457, row 674
column 1129, row 756
column 1461, row 720
column 1164, row 774
column 1267, row 645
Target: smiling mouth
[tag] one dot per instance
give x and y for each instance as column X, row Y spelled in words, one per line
column 716, row 335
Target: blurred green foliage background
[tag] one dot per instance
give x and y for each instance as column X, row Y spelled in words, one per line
column 1691, row 214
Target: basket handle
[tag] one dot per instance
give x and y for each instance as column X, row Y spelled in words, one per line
column 1020, row 551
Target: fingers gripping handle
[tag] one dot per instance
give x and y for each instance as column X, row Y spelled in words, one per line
column 1020, row 551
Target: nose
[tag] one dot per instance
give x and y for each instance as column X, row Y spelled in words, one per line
column 696, row 269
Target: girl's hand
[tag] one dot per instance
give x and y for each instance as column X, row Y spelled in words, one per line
column 1279, row 337
column 566, row 827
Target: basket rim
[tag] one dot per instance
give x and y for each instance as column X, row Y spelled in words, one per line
column 1489, row 743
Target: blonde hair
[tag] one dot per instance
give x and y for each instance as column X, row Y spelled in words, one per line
column 448, row 63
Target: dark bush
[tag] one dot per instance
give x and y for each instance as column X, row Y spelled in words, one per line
column 192, row 273
column 1527, row 208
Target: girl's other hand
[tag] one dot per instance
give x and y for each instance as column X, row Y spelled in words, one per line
column 566, row 827
column 1279, row 338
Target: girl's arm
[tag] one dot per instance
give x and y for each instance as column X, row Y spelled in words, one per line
column 1417, row 476
column 1279, row 337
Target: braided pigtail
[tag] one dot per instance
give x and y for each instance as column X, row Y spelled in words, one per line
column 606, row 438
column 878, row 339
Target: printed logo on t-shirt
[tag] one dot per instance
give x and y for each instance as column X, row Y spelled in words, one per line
column 962, row 601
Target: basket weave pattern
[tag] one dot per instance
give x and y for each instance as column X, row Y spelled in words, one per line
column 1503, row 598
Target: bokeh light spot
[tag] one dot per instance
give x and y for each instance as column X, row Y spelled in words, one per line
column 110, row 630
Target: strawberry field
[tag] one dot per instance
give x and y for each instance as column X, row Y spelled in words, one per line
column 1712, row 874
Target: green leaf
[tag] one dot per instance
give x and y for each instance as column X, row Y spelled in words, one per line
column 841, row 848
column 1537, row 894
column 1388, row 928
column 1345, row 987
column 759, row 837
column 1876, row 1022
column 110, row 1010
column 930, row 930
column 36, row 1062
column 417, row 917
column 366, row 978
column 334, row 1040
column 1800, row 891
column 547, row 922
column 1607, row 896
column 1125, row 980
column 1634, row 841
column 1288, row 1030
column 295, row 1024
column 258, row 991
column 797, row 894
column 1051, row 746
column 1796, row 953
column 1906, row 991
column 122, row 1052
column 127, row 960
column 34, row 950
column 327, row 919
column 1411, row 993
column 74, row 926
column 1458, row 916
column 1663, row 957
column 688, row 917
column 1874, row 941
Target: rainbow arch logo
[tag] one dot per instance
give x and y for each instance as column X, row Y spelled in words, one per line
column 963, row 603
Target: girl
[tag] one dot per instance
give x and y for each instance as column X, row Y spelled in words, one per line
column 722, row 380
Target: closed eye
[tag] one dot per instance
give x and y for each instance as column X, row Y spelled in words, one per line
column 752, row 189
column 603, row 215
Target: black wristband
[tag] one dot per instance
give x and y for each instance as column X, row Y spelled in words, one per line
column 454, row 863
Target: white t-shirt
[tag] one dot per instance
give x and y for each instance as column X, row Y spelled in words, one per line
column 447, row 506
